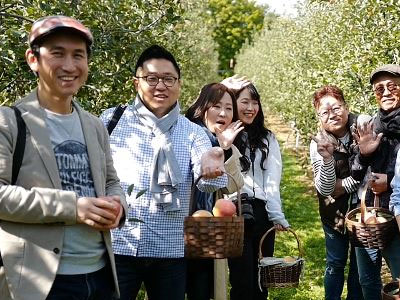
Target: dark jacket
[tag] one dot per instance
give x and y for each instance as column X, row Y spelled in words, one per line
column 383, row 160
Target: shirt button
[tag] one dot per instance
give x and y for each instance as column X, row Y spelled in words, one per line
column 56, row 250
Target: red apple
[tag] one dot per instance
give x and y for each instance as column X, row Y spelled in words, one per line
column 224, row 208
column 117, row 206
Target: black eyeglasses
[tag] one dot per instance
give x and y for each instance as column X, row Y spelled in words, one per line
column 380, row 89
column 324, row 114
column 153, row 80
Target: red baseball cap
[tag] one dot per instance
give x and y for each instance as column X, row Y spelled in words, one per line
column 44, row 26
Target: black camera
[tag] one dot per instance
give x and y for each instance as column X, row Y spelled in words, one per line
column 247, row 208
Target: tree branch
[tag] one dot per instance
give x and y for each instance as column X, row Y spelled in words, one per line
column 16, row 16
column 7, row 7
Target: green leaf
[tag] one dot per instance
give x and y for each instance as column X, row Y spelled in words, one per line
column 130, row 189
column 135, row 220
column 141, row 193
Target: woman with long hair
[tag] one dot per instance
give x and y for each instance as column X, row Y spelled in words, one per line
column 261, row 169
column 215, row 111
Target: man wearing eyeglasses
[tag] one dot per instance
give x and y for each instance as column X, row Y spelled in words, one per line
column 158, row 150
column 378, row 144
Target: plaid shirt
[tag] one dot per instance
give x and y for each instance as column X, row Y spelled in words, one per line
column 161, row 234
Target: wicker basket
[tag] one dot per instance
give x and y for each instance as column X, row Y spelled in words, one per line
column 387, row 292
column 281, row 274
column 213, row 237
column 375, row 236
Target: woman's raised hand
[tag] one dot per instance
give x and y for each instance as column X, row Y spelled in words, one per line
column 226, row 137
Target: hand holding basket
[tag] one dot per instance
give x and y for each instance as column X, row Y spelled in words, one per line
column 213, row 237
column 375, row 235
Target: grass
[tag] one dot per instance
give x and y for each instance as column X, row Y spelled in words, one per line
column 301, row 210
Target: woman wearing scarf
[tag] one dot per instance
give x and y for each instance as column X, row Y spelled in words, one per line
column 330, row 152
column 214, row 110
column 378, row 146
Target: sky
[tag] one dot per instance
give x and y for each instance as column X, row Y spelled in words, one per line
column 281, row 7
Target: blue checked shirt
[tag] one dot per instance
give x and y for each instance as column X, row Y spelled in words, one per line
column 161, row 234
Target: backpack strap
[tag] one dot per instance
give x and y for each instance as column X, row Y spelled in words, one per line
column 19, row 150
column 119, row 110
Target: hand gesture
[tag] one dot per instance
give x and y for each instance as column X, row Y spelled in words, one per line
column 212, row 163
column 235, row 82
column 324, row 148
column 378, row 183
column 101, row 213
column 226, row 137
column 366, row 138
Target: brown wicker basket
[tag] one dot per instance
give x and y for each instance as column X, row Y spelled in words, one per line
column 213, row 237
column 375, row 236
column 387, row 292
column 280, row 275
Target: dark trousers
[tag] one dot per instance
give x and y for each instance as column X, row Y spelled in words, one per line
column 243, row 270
column 200, row 279
column 164, row 278
column 98, row 285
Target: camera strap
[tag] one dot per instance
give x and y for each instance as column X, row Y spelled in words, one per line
column 252, row 159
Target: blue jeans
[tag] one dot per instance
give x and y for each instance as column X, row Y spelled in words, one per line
column 98, row 285
column 337, row 249
column 164, row 278
column 370, row 264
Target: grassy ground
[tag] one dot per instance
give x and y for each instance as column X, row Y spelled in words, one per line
column 301, row 210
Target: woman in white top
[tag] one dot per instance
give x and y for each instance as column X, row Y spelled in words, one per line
column 261, row 168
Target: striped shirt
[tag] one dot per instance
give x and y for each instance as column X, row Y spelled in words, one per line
column 325, row 176
column 161, row 233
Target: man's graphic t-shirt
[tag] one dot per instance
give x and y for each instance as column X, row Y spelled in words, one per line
column 73, row 166
column 83, row 249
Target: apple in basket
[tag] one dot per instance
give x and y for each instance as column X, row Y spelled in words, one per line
column 372, row 218
column 289, row 259
column 202, row 213
column 224, row 208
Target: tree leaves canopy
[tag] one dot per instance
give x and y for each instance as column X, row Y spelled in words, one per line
column 122, row 30
column 330, row 42
column 234, row 22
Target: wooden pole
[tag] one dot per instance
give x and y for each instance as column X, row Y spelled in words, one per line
column 220, row 283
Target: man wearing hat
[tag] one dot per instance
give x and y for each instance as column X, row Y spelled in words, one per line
column 56, row 217
column 378, row 144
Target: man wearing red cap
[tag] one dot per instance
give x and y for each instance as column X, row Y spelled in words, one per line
column 57, row 214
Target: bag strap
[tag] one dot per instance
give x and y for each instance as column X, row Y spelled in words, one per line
column 19, row 150
column 119, row 110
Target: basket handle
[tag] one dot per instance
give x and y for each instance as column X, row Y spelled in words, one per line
column 299, row 247
column 192, row 200
column 363, row 206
